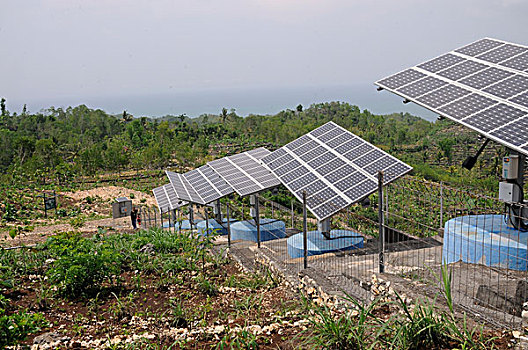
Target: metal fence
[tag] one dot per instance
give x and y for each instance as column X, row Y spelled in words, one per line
column 403, row 234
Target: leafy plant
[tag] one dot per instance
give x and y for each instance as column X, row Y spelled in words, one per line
column 16, row 327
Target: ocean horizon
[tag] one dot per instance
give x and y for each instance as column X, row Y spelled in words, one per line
column 245, row 101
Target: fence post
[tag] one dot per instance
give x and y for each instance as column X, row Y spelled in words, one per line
column 305, row 232
column 381, row 224
column 228, row 227
column 441, row 204
column 257, row 218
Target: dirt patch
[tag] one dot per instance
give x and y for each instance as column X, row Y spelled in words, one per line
column 112, row 192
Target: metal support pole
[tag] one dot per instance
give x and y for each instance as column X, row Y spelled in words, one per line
column 168, row 211
column 228, row 226
column 292, row 219
column 381, row 224
column 305, row 232
column 257, row 218
column 206, row 222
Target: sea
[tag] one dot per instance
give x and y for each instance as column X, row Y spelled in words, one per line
column 244, row 101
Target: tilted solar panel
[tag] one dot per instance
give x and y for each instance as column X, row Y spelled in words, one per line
column 335, row 168
column 166, row 198
column 483, row 85
column 244, row 173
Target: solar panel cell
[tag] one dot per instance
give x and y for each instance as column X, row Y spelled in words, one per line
column 358, row 152
column 466, row 106
column 348, row 146
column 443, row 96
column 521, row 99
column 368, row 158
column 314, row 153
column 462, row 70
column 322, row 159
column 514, row 133
column 494, row 117
column 502, row 53
column 350, row 181
column 380, row 165
column 519, row 63
column 340, row 173
column 485, row 78
column 330, row 166
column 330, row 135
column 362, row 190
column 509, row 87
column 479, row 47
column 422, row 86
column 402, row 78
column 441, row 62
column 322, row 129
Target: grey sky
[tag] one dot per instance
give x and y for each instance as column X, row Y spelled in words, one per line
column 68, row 51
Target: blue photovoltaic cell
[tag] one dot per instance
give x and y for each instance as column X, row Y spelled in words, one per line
column 479, row 47
column 462, row 70
column 422, row 86
column 441, row 62
column 509, row 87
column 494, row 117
column 467, row 106
column 402, row 78
column 502, row 53
column 444, row 95
column 485, row 78
column 514, row 133
column 519, row 63
column 521, row 99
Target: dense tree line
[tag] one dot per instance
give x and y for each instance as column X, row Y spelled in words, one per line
column 83, row 141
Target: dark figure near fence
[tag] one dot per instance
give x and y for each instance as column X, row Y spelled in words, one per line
column 133, row 216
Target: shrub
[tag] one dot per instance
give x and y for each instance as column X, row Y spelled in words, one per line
column 81, row 264
column 17, row 327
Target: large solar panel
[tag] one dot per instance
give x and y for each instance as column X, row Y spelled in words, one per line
column 244, row 173
column 335, row 168
column 207, row 184
column 483, row 85
column 166, row 198
column 183, row 188
column 201, row 186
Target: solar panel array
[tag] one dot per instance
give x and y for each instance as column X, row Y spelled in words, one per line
column 166, row 198
column 483, row 85
column 201, row 186
column 335, row 168
column 207, row 184
column 183, row 188
column 244, row 173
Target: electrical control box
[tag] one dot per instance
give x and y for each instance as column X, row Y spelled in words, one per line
column 252, row 212
column 509, row 192
column 510, row 167
column 121, row 207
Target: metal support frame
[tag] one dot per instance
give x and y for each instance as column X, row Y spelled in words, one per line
column 228, row 226
column 257, row 218
column 305, row 233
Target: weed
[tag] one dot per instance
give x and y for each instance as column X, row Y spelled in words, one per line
column 16, row 327
column 331, row 331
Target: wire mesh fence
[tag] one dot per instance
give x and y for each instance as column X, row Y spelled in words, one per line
column 406, row 232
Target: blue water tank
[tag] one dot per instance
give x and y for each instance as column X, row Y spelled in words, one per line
column 318, row 244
